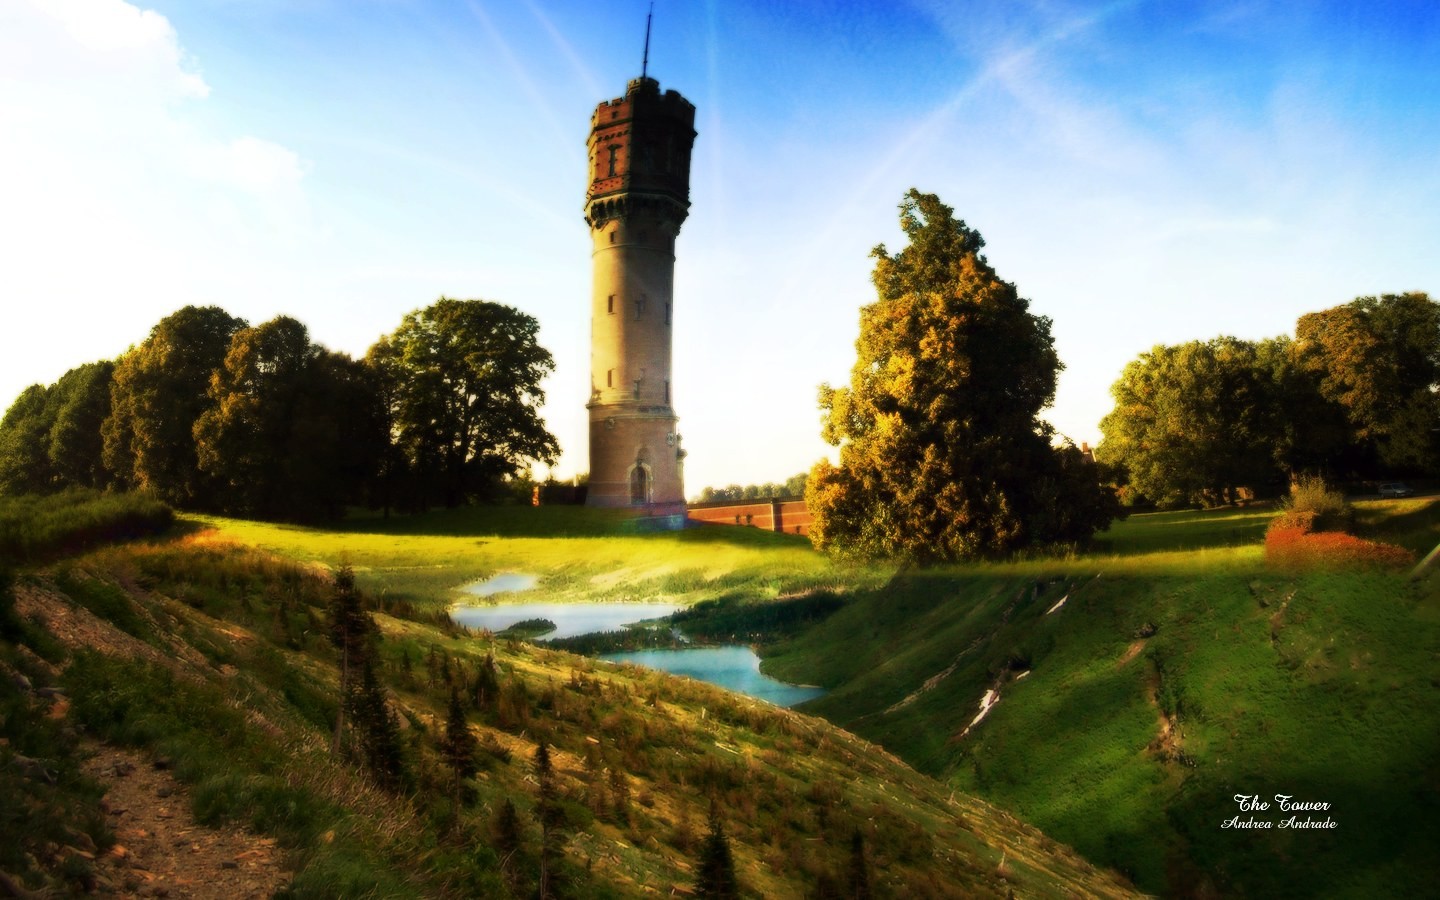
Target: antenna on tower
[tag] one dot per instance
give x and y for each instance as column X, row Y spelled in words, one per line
column 645, row 63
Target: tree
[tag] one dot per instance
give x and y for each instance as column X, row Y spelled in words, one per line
column 82, row 403
column 1379, row 359
column 464, row 387
column 486, row 693
column 1194, row 422
column 24, row 465
column 795, row 485
column 941, row 443
column 50, row 436
column 549, row 814
column 293, row 429
column 379, row 729
column 350, row 630
column 509, row 842
column 858, row 882
column 160, row 390
column 715, row 873
column 458, row 746
column 1312, row 434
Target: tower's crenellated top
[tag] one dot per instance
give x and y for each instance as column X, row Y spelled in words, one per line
column 640, row 146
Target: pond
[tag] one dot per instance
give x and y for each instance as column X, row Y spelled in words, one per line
column 502, row 583
column 571, row 619
column 732, row 667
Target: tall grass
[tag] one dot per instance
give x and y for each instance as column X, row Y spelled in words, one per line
column 34, row 527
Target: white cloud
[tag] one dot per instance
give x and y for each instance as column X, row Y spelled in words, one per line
column 255, row 165
column 119, row 203
column 108, row 42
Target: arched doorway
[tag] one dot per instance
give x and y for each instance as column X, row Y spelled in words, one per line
column 640, row 485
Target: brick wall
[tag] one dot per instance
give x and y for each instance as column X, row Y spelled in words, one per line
column 789, row 516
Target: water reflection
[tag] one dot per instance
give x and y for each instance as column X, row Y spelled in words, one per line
column 571, row 619
column 733, row 667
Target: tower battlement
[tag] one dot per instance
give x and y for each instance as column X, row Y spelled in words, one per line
column 647, row 92
column 640, row 144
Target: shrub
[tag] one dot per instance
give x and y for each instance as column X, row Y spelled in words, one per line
column 1316, row 506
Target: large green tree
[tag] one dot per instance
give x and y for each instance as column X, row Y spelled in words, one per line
column 1379, row 359
column 292, row 429
column 24, row 465
column 50, row 436
column 943, row 454
column 463, row 384
column 82, row 404
column 1195, row 421
column 161, row 389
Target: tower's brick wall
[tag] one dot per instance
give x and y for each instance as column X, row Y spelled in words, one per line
column 637, row 199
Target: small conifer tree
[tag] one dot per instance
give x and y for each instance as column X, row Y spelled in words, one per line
column 550, row 815
column 715, row 876
column 859, row 886
column 509, row 841
column 379, row 729
column 458, row 746
column 350, row 628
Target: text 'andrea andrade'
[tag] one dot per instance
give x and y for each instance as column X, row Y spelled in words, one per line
column 1283, row 804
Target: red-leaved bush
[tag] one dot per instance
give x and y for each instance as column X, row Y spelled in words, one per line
column 1289, row 542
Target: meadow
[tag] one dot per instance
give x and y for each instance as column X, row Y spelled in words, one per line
column 1141, row 684
column 1141, row 687
column 216, row 657
column 579, row 554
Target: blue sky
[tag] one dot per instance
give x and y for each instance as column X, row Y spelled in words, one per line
column 1144, row 172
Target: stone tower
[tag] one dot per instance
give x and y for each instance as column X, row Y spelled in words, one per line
column 639, row 195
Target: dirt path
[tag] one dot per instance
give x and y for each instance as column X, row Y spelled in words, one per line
column 161, row 851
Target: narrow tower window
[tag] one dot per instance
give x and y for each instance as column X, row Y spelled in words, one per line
column 609, row 377
column 640, row 305
column 614, row 155
column 610, row 304
column 667, row 390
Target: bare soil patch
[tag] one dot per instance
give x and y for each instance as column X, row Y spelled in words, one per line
column 161, row 851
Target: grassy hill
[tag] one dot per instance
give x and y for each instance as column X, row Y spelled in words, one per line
column 1139, row 690
column 213, row 658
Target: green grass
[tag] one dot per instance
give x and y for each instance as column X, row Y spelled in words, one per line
column 244, row 712
column 1331, row 699
column 1186, row 530
column 1319, row 685
column 36, row 527
column 578, row 553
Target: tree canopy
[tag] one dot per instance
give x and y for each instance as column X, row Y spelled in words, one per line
column 50, row 436
column 1353, row 395
column 1379, row 359
column 161, row 389
column 943, row 454
column 462, row 382
column 1194, row 421
column 293, row 426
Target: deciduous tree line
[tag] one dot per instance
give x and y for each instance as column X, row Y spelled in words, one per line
column 1351, row 396
column 794, row 486
column 212, row 413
